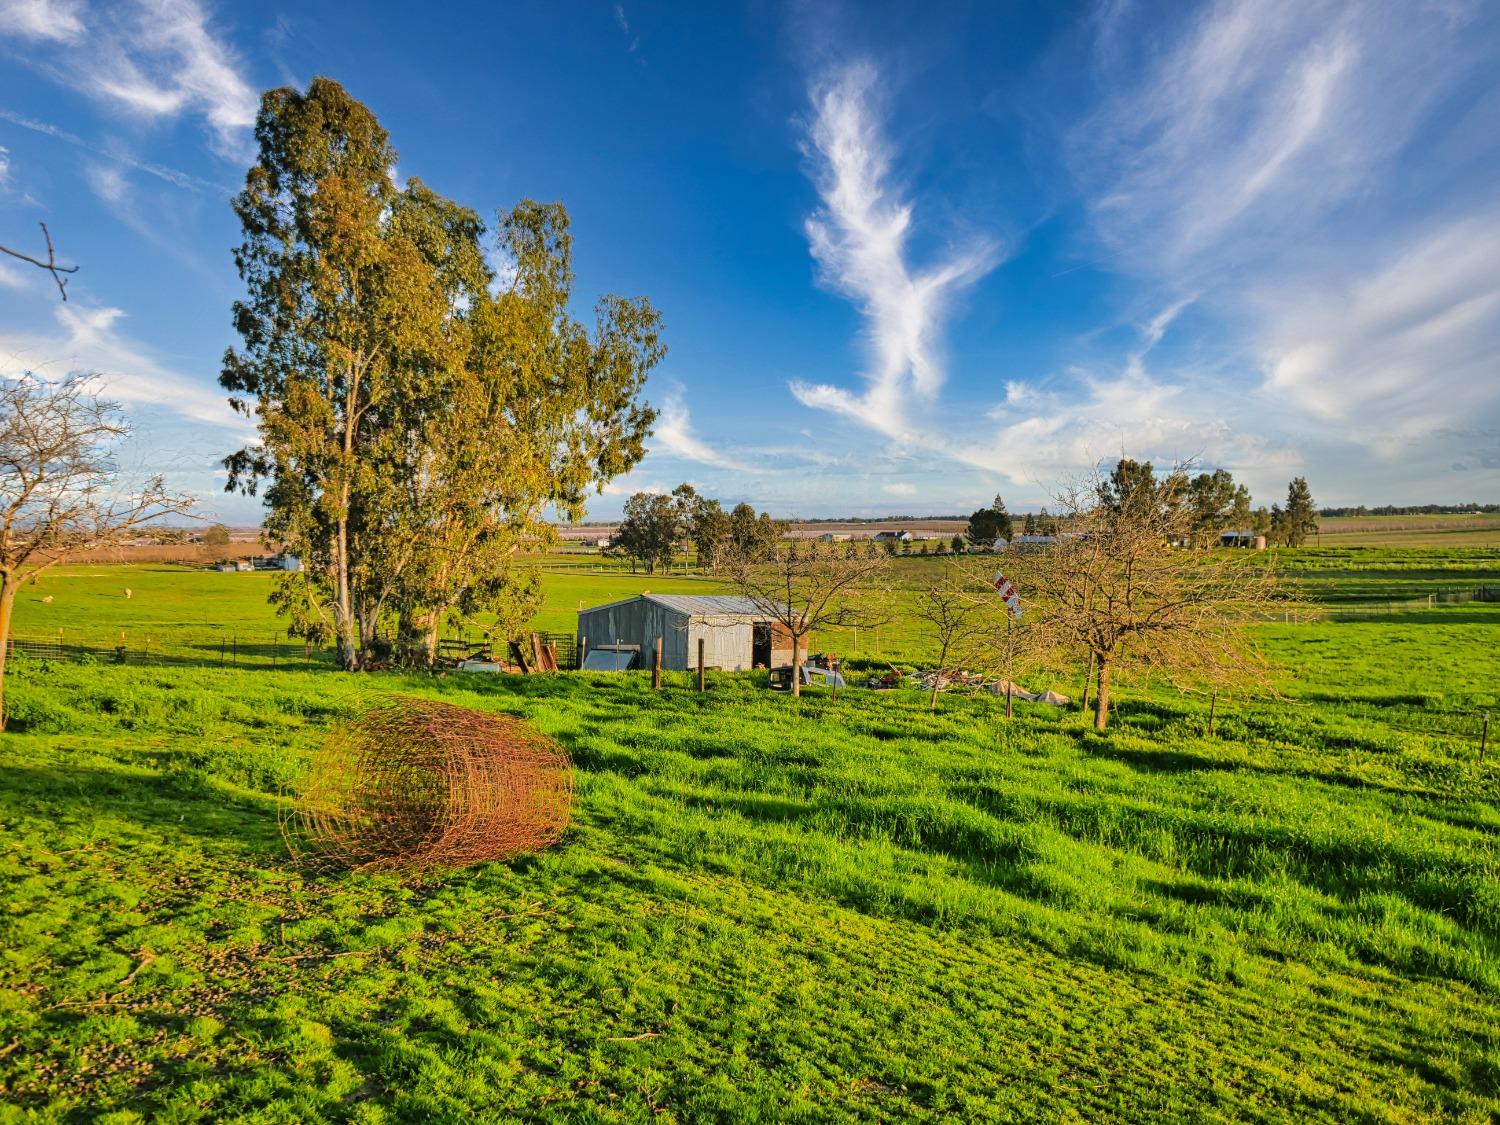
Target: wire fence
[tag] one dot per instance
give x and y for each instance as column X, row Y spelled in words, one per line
column 243, row 650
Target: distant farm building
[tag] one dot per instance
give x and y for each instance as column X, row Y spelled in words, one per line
column 736, row 633
column 835, row 537
column 1248, row 540
column 893, row 537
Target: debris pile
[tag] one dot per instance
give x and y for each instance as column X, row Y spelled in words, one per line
column 976, row 681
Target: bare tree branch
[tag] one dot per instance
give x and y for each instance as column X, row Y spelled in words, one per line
column 805, row 587
column 60, row 491
column 50, row 265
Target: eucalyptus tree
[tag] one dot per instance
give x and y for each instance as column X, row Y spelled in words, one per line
column 540, row 411
column 416, row 418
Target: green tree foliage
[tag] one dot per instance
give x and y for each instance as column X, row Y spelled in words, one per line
column 414, row 422
column 1291, row 526
column 988, row 524
column 651, row 529
column 1215, row 503
column 754, row 536
column 1133, row 492
column 540, row 411
column 705, row 523
column 215, row 535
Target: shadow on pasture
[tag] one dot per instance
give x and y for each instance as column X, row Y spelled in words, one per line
column 173, row 801
column 1185, row 761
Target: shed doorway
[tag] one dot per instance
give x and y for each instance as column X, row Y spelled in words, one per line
column 760, row 645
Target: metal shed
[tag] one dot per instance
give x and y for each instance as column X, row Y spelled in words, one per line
column 736, row 633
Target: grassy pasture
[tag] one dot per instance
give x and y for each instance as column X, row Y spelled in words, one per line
column 768, row 910
column 193, row 615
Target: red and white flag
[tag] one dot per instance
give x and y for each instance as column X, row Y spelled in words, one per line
column 1007, row 591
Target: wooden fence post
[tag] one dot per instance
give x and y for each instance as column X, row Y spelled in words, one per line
column 700, row 663
column 656, row 665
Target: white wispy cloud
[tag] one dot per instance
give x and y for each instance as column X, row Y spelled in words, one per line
column 107, row 182
column 1307, row 172
column 13, row 277
column 1252, row 120
column 153, row 59
column 55, row 20
column 859, row 238
column 1408, row 347
column 674, row 436
column 90, row 339
column 114, row 151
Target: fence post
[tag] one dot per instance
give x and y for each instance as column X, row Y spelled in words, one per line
column 656, row 665
column 700, row 663
column 583, row 649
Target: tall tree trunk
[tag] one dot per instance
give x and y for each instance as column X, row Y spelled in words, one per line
column 8, row 586
column 1101, row 697
column 343, row 610
column 937, row 680
column 796, row 665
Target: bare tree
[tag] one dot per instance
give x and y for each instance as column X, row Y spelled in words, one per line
column 50, row 265
column 1111, row 585
column 814, row 586
column 975, row 629
column 958, row 610
column 60, row 491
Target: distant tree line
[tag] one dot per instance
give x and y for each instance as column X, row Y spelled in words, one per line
column 656, row 526
column 1195, row 508
column 1414, row 510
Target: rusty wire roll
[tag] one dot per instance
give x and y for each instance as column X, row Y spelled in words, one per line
column 413, row 783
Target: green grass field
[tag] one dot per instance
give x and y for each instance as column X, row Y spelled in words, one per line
column 199, row 615
column 825, row 910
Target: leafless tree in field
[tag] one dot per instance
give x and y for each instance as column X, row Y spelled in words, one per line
column 961, row 614
column 50, row 265
column 973, row 627
column 806, row 587
column 1112, row 585
column 60, row 491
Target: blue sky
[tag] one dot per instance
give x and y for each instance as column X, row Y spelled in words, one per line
column 907, row 258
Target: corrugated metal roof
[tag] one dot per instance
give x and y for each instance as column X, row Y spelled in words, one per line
column 698, row 605
column 705, row 605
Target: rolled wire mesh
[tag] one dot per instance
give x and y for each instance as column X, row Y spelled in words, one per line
column 413, row 783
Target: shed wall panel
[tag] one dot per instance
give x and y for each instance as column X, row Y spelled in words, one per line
column 727, row 642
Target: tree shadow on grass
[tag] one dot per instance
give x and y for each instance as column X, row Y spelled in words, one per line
column 1186, row 761
column 175, row 801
